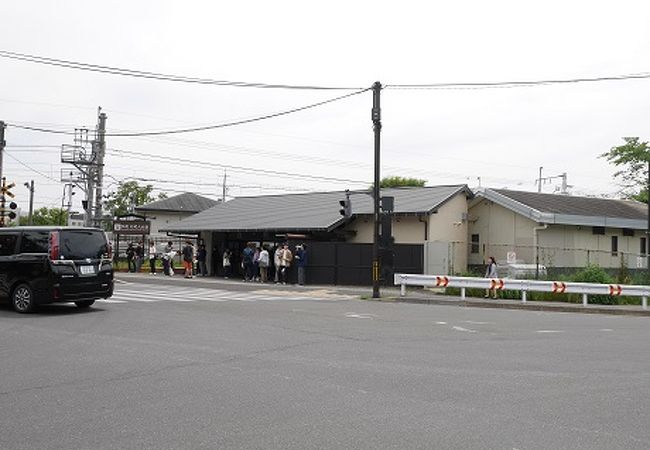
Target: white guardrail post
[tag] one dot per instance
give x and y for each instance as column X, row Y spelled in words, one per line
column 524, row 286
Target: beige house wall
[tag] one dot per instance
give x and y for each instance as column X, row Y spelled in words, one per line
column 448, row 225
column 163, row 219
column 501, row 231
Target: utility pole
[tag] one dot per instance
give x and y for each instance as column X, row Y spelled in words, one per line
column 223, row 193
column 30, row 186
column 539, row 180
column 2, row 144
column 376, row 121
column 101, row 152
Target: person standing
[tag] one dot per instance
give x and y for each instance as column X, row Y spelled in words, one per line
column 247, row 261
column 188, row 258
column 168, row 254
column 256, row 264
column 301, row 258
column 227, row 267
column 152, row 256
column 201, row 255
column 263, row 262
column 277, row 262
column 139, row 256
column 491, row 272
column 285, row 262
column 130, row 257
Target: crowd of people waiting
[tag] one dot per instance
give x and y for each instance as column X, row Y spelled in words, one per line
column 268, row 263
column 263, row 263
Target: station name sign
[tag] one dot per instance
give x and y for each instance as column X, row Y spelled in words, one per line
column 139, row 227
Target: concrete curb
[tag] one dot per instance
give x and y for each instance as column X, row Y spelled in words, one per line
column 529, row 306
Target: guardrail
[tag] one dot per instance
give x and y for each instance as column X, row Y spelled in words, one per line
column 500, row 284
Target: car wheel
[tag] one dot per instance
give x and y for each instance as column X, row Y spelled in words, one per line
column 84, row 303
column 22, row 298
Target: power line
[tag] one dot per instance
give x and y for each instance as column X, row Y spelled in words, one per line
column 202, row 128
column 157, row 76
column 170, row 159
column 28, row 167
column 506, row 84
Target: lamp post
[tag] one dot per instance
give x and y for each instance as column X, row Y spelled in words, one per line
column 30, row 186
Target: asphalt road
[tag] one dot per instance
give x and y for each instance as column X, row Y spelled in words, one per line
column 170, row 364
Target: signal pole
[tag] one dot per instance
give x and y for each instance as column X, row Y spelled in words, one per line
column 376, row 121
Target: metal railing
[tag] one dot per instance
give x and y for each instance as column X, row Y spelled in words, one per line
column 500, row 284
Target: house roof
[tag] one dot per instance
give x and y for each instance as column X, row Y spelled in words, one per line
column 187, row 202
column 310, row 211
column 570, row 210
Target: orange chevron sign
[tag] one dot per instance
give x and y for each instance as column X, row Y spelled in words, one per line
column 496, row 284
column 442, row 281
column 615, row 289
column 559, row 287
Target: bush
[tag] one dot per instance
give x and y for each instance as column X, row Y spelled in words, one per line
column 594, row 274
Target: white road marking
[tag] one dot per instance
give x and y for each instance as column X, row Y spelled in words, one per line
column 110, row 300
column 605, row 329
column 473, row 322
column 352, row 315
column 466, row 330
column 549, row 331
column 440, row 323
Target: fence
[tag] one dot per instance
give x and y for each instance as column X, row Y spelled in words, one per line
column 556, row 287
column 562, row 259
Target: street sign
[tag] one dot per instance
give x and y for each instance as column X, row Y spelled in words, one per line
column 136, row 227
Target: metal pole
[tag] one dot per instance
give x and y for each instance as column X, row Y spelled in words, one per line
column 31, row 202
column 647, row 233
column 539, row 186
column 376, row 120
column 2, row 144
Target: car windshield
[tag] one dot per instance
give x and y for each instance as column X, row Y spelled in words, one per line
column 83, row 244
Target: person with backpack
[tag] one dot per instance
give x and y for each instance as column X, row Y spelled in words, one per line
column 188, row 259
column 247, row 261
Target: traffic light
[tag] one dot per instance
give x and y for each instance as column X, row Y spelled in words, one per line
column 346, row 206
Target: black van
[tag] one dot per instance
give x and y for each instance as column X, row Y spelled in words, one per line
column 54, row 264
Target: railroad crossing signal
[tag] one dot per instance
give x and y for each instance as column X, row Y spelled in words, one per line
column 4, row 190
column 4, row 193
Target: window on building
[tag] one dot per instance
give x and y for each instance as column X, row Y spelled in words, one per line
column 614, row 245
column 628, row 232
column 475, row 246
column 598, row 230
column 643, row 247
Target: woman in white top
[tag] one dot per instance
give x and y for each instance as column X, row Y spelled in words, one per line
column 152, row 256
column 491, row 272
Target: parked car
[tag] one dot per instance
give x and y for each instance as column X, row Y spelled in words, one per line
column 49, row 264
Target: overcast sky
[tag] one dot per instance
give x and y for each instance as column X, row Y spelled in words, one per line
column 446, row 136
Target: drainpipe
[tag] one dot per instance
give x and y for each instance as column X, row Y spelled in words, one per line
column 536, row 247
column 426, row 226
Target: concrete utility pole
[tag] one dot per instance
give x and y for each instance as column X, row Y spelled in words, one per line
column 101, row 152
column 376, row 121
column 539, row 180
column 223, row 193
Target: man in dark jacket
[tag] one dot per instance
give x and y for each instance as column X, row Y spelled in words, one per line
column 301, row 258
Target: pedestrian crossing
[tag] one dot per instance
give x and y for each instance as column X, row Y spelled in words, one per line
column 126, row 293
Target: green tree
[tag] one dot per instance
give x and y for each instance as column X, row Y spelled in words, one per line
column 633, row 158
column 389, row 182
column 129, row 193
column 47, row 216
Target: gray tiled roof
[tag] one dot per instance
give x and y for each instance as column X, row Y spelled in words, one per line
column 311, row 211
column 187, row 202
column 570, row 210
column 581, row 206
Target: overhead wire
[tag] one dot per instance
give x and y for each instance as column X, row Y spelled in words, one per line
column 30, row 168
column 158, row 76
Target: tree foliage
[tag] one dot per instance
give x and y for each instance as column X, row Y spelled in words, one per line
column 47, row 216
column 389, row 182
column 633, row 158
column 128, row 194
